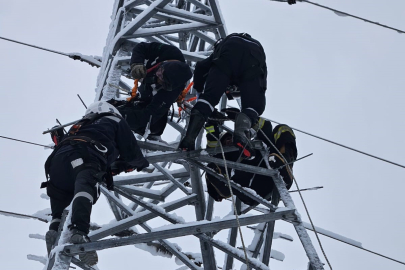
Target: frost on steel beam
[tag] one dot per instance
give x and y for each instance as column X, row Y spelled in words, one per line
column 164, row 30
column 172, row 248
column 218, row 17
column 177, row 230
column 270, row 232
column 233, row 233
column 135, row 179
column 180, row 23
column 298, row 225
column 139, row 218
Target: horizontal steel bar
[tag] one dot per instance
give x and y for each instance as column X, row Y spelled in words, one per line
column 148, row 193
column 177, row 231
column 140, row 218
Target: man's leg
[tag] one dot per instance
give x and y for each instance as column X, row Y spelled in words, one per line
column 85, row 195
column 215, row 86
column 60, row 190
column 253, row 104
column 57, row 207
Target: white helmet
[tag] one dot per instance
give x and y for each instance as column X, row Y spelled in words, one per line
column 101, row 107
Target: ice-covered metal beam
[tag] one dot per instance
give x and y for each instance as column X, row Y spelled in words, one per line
column 177, row 231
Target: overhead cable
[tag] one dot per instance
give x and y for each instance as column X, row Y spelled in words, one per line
column 12, row 214
column 92, row 61
column 36, row 47
column 344, row 146
column 47, row 146
column 344, row 14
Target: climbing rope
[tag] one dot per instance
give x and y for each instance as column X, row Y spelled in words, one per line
column 232, row 196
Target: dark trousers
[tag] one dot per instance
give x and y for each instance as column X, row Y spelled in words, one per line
column 233, row 67
column 155, row 110
column 68, row 183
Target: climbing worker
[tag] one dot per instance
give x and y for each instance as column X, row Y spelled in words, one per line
column 240, row 61
column 79, row 164
column 282, row 137
column 163, row 73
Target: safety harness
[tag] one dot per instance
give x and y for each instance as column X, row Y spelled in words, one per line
column 81, row 144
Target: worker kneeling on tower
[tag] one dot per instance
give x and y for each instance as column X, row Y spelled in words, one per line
column 238, row 60
column 163, row 73
column 282, row 137
column 79, row 164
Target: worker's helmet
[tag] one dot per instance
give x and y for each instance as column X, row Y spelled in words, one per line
column 101, row 107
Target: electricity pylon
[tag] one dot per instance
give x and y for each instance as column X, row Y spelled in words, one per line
column 193, row 26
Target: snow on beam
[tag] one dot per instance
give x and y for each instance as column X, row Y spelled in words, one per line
column 162, row 16
column 140, row 20
column 218, row 17
column 138, row 218
column 170, row 29
column 171, row 178
column 178, row 230
column 144, row 178
column 191, row 56
column 201, row 6
column 204, row 37
column 131, row 4
column 187, row 15
column 237, row 254
column 144, row 192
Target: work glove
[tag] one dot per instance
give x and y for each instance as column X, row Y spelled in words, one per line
column 120, row 166
column 143, row 165
column 138, row 71
column 231, row 112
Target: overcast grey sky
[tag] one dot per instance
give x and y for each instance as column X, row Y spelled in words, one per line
column 336, row 77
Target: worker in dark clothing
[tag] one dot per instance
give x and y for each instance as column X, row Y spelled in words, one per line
column 282, row 137
column 240, row 61
column 79, row 164
column 163, row 72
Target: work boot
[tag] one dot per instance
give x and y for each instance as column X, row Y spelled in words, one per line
column 241, row 136
column 156, row 138
column 79, row 237
column 197, row 121
column 50, row 239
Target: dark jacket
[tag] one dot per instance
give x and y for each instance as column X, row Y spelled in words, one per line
column 114, row 133
column 155, row 53
column 255, row 64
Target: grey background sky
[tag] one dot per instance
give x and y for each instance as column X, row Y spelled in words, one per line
column 335, row 77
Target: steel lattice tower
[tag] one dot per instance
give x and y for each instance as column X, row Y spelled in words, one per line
column 193, row 26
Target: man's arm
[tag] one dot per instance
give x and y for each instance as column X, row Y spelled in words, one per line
column 128, row 147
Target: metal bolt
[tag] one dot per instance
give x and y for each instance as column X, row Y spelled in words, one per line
column 81, row 248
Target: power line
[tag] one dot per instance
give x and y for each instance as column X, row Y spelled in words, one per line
column 36, row 47
column 12, row 214
column 341, row 13
column 47, row 146
column 75, row 56
column 344, row 146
